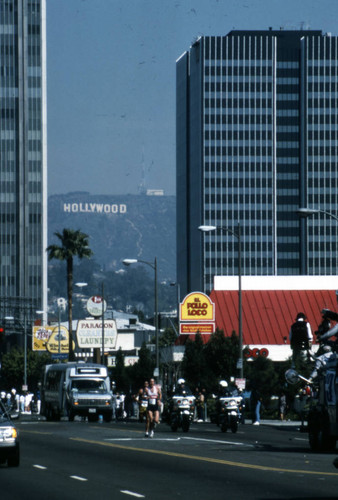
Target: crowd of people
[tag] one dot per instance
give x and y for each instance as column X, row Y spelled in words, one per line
column 26, row 402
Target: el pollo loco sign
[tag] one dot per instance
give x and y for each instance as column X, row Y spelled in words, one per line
column 197, row 313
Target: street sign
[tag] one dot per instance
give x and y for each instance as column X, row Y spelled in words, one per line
column 96, row 305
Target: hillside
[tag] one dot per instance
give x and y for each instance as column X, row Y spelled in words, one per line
column 119, row 227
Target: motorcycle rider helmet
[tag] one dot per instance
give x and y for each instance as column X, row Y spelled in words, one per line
column 223, row 383
column 181, row 381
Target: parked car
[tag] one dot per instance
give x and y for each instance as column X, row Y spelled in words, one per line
column 9, row 440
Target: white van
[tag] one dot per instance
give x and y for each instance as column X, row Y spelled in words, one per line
column 70, row 389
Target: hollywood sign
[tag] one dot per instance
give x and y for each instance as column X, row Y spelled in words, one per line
column 97, row 208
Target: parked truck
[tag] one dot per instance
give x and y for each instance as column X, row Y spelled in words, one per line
column 70, row 389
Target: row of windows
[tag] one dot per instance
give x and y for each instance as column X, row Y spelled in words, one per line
column 233, row 110
column 232, row 142
column 231, row 80
column 238, row 116
column 225, row 182
column 238, row 150
column 241, row 87
column 10, row 145
column 230, row 105
column 221, row 96
column 215, row 131
column 252, row 63
column 288, row 64
column 322, row 78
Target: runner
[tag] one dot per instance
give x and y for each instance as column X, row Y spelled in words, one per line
column 154, row 402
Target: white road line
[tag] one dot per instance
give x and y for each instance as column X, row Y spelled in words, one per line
column 218, row 441
column 78, row 478
column 132, row 493
column 42, row 467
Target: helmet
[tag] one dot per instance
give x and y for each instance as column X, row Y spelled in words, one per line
column 181, row 381
column 223, row 383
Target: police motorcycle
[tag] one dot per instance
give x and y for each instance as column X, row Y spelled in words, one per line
column 322, row 418
column 181, row 408
column 228, row 406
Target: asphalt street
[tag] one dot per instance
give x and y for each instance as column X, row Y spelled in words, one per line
column 81, row 460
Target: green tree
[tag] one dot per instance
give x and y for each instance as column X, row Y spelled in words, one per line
column 221, row 355
column 12, row 368
column 262, row 375
column 143, row 369
column 74, row 243
column 193, row 364
column 119, row 373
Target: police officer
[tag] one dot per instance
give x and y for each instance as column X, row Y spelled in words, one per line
column 300, row 337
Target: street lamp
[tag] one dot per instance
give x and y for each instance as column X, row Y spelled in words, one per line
column 128, row 262
column 236, row 234
column 178, row 300
column 307, row 212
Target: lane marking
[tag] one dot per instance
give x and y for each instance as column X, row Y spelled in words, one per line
column 218, row 441
column 204, row 459
column 132, row 493
column 25, row 431
column 142, row 439
column 78, row 478
column 42, row 467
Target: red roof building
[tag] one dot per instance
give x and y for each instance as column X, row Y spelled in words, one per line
column 269, row 307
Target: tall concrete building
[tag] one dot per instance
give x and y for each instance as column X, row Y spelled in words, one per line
column 23, row 157
column 257, row 139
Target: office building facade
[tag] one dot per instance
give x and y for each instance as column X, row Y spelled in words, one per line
column 257, row 138
column 23, row 157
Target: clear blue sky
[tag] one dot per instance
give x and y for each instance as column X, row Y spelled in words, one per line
column 111, row 81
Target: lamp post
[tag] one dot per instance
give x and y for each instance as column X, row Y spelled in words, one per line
column 236, row 234
column 128, row 262
column 178, row 300
column 305, row 212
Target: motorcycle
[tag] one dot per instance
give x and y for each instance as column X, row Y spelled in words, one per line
column 181, row 412
column 229, row 413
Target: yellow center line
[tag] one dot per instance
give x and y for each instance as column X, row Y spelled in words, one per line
column 205, row 459
column 25, row 431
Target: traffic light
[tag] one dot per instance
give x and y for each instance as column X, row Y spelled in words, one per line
column 2, row 334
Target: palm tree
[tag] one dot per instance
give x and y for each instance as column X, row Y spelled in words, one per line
column 73, row 244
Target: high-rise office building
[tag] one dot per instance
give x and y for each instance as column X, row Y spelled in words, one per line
column 23, row 156
column 257, row 138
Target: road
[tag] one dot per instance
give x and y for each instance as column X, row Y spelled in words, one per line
column 83, row 461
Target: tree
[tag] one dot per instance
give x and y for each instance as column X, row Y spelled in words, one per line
column 143, row 369
column 221, row 354
column 12, row 368
column 193, row 364
column 74, row 243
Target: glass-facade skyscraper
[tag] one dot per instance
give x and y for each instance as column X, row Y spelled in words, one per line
column 257, row 138
column 23, row 154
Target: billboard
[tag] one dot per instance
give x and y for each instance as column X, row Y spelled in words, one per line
column 89, row 333
column 40, row 337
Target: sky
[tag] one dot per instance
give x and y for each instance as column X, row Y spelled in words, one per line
column 111, row 70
